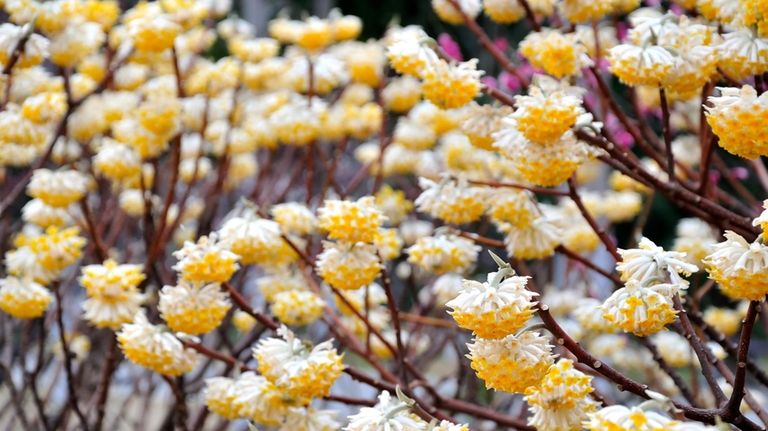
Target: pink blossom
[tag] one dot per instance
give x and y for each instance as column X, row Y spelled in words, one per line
column 509, row 81
column 501, row 43
column 490, row 82
column 740, row 173
column 450, row 47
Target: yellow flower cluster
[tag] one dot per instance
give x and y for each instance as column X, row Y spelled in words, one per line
column 562, row 400
column 152, row 347
column 193, row 307
column 23, row 298
column 513, row 363
column 736, row 117
column 350, row 221
column 560, row 55
column 494, row 309
column 739, row 267
column 301, row 370
column 113, row 294
column 206, row 261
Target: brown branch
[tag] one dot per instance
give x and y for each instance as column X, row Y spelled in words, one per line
column 606, row 240
column 701, row 351
column 667, row 134
column 73, row 401
column 732, row 407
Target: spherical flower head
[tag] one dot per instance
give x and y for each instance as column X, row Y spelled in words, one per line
column 503, row 11
column 393, row 204
column 408, row 55
column 314, row 34
column 117, row 161
column 310, row 419
column 206, row 261
column 365, row 61
column 113, row 294
column 151, row 347
column 401, row 94
column 584, row 11
column 303, row 371
column 443, row 253
column 390, row 413
column 297, row 308
column 161, row 116
column 59, row 188
column 447, row 12
column 535, row 241
column 560, row 55
column 259, row 400
column 153, row 33
column 495, row 308
column 640, row 310
column 736, row 117
column 481, row 122
column 562, row 400
column 220, row 393
column 543, row 165
column 622, row 418
column 41, row 214
column 23, row 298
column 641, row 65
column 294, row 218
column 193, row 308
column 548, row 111
column 742, row 54
column 57, row 248
column 256, row 241
column 650, row 264
column 513, row 207
column 452, row 200
column 348, row 266
column 448, row 85
column 513, row 363
column 351, row 221
column 739, row 267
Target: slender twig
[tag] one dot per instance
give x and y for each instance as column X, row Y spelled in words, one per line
column 73, row 400
column 667, row 131
column 741, row 359
column 606, row 240
column 706, row 366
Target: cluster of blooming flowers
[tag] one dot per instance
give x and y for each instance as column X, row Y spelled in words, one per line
column 291, row 373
